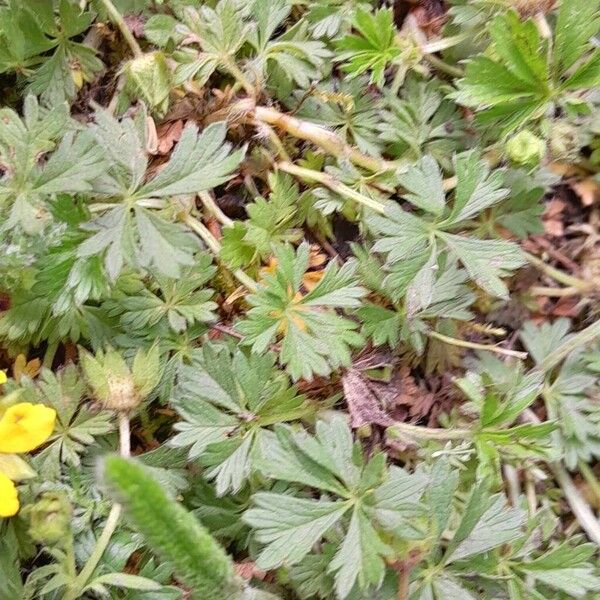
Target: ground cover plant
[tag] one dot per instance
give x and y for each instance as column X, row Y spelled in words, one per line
column 299, row 300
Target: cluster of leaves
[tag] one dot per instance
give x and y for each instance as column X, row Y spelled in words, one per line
column 265, row 197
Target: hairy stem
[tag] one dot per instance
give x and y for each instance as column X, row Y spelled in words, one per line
column 230, row 65
column 328, row 140
column 213, row 208
column 475, row 346
column 117, row 19
column 399, row 429
column 403, row 584
column 112, row 520
column 333, row 184
column 558, row 275
column 551, row 292
column 581, row 509
column 443, row 66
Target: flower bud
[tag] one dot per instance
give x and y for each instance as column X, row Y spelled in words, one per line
column 114, row 384
column 565, row 141
column 50, row 518
column 525, row 148
column 149, row 77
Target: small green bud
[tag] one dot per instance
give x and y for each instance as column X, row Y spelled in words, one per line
column 50, row 519
column 150, row 78
column 525, row 148
column 114, row 384
column 564, row 141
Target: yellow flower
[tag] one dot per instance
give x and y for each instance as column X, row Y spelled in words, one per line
column 9, row 502
column 3, row 378
column 25, row 426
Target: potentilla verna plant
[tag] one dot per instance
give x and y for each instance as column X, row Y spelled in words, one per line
column 299, row 300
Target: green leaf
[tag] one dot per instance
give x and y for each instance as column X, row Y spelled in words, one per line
column 486, row 261
column 290, row 526
column 575, row 25
column 423, row 182
column 373, row 49
column 315, row 339
column 199, row 162
column 270, row 222
column 227, row 399
column 125, row 580
column 476, row 188
column 486, row 524
column 566, row 568
column 360, row 557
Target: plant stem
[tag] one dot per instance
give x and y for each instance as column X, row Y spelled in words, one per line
column 213, row 208
column 581, row 509
column 475, row 345
column 403, row 584
column 333, row 184
column 590, row 478
column 117, row 19
column 400, row 429
column 124, row 435
column 443, row 66
column 75, row 590
column 231, row 66
column 558, row 275
column 50, row 354
column 328, row 140
column 540, row 290
column 215, row 247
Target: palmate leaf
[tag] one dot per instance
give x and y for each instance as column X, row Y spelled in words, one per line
column 130, row 233
column 569, row 393
column 294, row 54
column 228, row 400
column 140, row 239
column 373, row 49
column 315, row 339
column 517, row 79
column 413, row 244
column 174, row 304
column 422, row 122
column 57, row 77
column 269, row 222
column 329, row 462
column 29, row 183
column 291, row 526
column 76, row 425
column 350, row 108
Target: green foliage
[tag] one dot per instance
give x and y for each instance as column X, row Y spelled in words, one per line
column 414, row 245
column 374, row 48
column 228, row 401
column 315, row 339
column 522, row 75
column 269, row 222
column 280, row 247
column 29, row 29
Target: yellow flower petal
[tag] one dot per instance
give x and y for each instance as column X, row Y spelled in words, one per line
column 25, row 426
column 3, row 377
column 9, row 500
